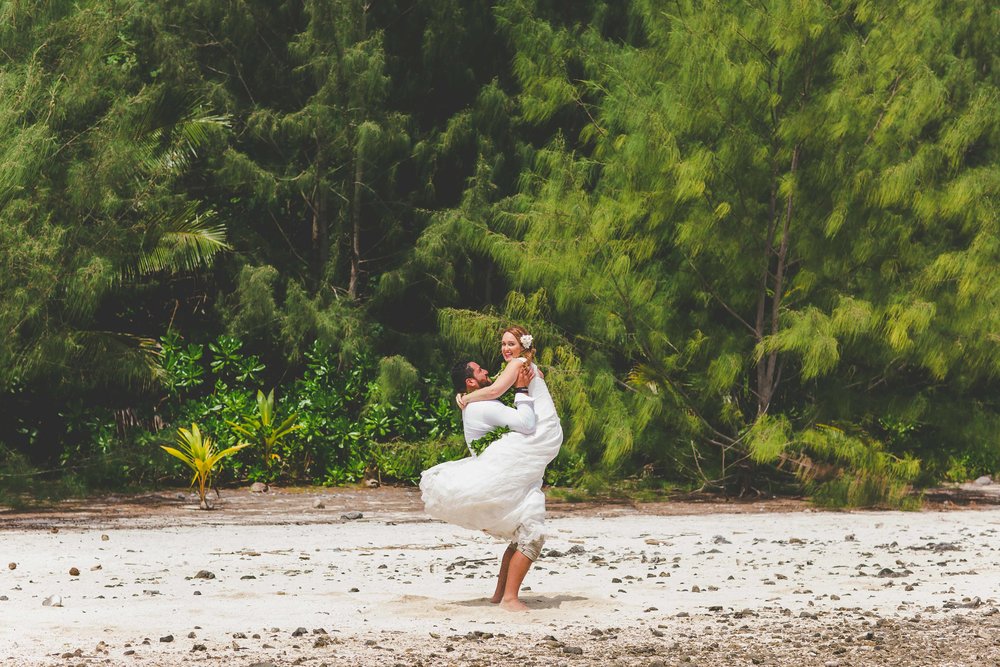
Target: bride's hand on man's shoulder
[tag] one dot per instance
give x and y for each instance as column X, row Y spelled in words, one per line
column 460, row 400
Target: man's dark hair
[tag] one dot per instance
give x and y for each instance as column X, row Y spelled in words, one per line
column 460, row 372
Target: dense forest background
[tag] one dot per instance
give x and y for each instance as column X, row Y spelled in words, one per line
column 756, row 242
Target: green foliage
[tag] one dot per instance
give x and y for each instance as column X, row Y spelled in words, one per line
column 727, row 225
column 757, row 227
column 198, row 452
column 264, row 427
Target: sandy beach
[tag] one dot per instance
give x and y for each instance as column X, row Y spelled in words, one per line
column 296, row 577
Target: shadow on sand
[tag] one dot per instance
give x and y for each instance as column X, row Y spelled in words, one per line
column 534, row 601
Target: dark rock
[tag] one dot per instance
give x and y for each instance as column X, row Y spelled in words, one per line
column 74, row 572
column 167, row 639
column 576, row 549
column 886, row 573
column 299, row 632
column 351, row 516
column 204, row 574
column 573, row 650
column 198, row 647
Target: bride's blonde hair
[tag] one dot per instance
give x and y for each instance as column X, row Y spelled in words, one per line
column 517, row 331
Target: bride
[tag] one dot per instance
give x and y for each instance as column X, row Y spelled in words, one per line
column 499, row 491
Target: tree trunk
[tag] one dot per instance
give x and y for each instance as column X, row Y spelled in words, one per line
column 768, row 374
column 320, row 232
column 359, row 172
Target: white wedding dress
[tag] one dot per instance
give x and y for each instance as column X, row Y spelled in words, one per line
column 499, row 491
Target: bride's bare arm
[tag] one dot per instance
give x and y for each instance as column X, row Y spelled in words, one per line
column 495, row 390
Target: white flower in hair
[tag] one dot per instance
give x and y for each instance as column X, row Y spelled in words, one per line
column 526, row 341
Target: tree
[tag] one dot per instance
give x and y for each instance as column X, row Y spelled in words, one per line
column 90, row 205
column 763, row 231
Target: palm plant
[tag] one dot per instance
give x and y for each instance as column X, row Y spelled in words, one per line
column 264, row 428
column 198, row 453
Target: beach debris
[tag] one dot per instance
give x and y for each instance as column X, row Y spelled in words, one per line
column 259, row 487
column 204, row 574
column 74, row 572
column 11, row 566
column 104, row 538
column 53, row 601
column 319, row 504
column 576, row 549
column 719, row 539
column 351, row 516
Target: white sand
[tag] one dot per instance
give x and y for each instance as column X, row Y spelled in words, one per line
column 421, row 584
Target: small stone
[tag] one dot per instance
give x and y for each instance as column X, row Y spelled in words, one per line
column 104, row 538
column 353, row 590
column 191, row 635
column 248, row 576
column 299, row 632
column 573, row 650
column 52, row 601
column 74, row 572
column 695, row 589
column 985, row 480
column 199, row 647
column 576, row 549
column 351, row 516
column 259, row 487
column 319, row 504
column 11, row 566
column 167, row 639
column 131, row 651
column 204, row 574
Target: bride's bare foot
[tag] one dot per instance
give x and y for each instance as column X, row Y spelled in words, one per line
column 513, row 605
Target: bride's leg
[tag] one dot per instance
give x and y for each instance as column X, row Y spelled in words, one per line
column 502, row 578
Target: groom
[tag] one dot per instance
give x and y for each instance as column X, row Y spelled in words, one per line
column 478, row 419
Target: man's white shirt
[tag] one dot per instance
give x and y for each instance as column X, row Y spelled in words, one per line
column 481, row 417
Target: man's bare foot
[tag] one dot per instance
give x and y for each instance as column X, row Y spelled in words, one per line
column 513, row 605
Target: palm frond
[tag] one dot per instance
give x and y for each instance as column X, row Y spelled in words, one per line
column 190, row 243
